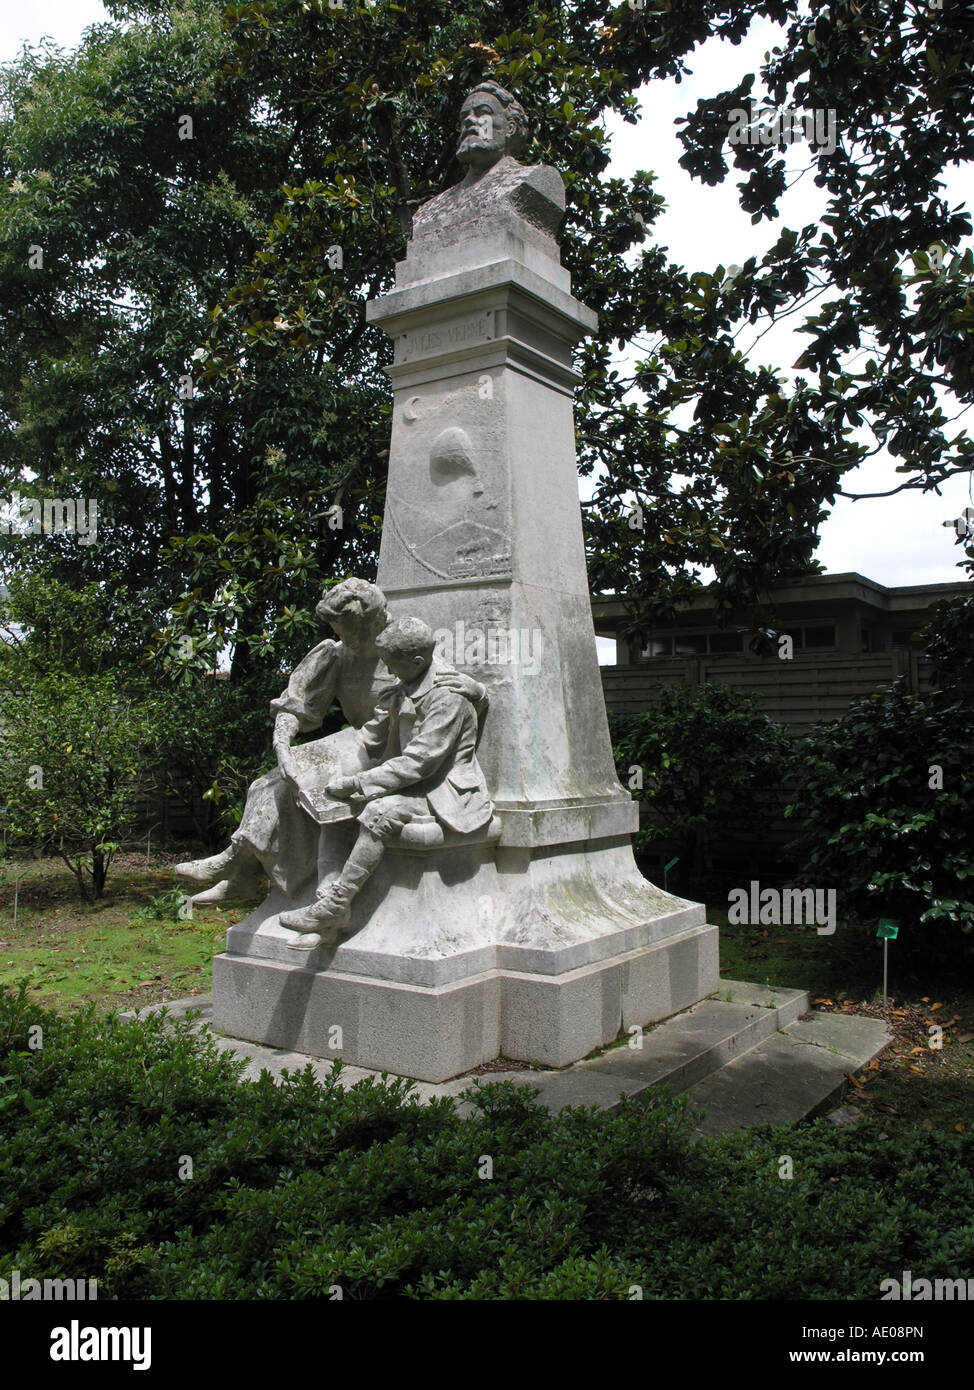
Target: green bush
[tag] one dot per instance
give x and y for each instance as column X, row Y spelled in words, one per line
column 165, row 907
column 708, row 761
column 302, row 1187
column 78, row 756
column 215, row 739
column 949, row 645
column 875, row 825
column 90, row 735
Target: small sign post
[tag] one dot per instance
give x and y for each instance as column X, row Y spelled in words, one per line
column 148, row 843
column 16, row 897
column 667, row 868
column 888, row 930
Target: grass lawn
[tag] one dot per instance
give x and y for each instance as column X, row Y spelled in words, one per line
column 117, row 956
column 74, row 954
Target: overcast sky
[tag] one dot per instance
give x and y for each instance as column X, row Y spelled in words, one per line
column 898, row 540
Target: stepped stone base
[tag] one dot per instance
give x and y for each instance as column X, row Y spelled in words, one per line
column 802, row 1070
column 748, row 1055
column 529, row 948
column 432, row 1032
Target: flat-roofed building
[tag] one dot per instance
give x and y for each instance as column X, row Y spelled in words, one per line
column 848, row 637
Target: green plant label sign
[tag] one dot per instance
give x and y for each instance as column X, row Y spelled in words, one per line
column 888, row 928
column 674, row 860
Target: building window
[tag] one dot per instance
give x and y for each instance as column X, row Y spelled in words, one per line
column 658, row 646
column 685, row 644
column 722, row 642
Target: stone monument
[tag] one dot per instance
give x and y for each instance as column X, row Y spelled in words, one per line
column 534, row 936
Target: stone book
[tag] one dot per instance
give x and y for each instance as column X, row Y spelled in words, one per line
column 323, row 808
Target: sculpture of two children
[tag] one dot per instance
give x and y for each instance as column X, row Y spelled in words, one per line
column 415, row 759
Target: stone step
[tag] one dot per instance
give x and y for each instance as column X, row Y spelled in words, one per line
column 738, row 1070
column 677, row 1053
column 788, row 1076
column 684, row 1049
column 790, row 1004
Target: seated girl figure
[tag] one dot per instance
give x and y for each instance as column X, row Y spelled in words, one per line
column 276, row 836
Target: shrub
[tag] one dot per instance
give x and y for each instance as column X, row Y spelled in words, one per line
column 299, row 1188
column 214, row 740
column 166, row 907
column 703, row 753
column 78, row 756
column 949, row 639
column 876, row 824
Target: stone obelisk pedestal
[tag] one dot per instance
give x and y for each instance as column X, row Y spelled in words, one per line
column 540, row 940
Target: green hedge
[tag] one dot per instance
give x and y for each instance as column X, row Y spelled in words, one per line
column 885, row 817
column 712, row 766
column 301, row 1187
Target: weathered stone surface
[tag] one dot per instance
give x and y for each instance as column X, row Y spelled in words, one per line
column 848, row 1037
column 789, row 1003
column 789, row 1075
column 690, row 1046
column 433, row 1032
column 540, row 940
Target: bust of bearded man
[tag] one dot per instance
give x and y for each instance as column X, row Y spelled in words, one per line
column 501, row 207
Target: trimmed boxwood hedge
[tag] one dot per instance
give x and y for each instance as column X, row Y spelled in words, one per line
column 303, row 1190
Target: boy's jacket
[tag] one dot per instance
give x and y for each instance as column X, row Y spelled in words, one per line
column 427, row 740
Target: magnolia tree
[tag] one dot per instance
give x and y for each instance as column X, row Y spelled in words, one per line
column 196, row 204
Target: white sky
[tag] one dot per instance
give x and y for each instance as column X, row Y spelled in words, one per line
column 62, row 20
column 897, row 540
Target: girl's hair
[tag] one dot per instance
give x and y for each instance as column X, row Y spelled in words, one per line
column 354, row 598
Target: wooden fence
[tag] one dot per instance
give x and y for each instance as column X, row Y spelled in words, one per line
column 810, row 688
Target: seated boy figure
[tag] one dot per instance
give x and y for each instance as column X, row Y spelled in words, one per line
column 426, row 738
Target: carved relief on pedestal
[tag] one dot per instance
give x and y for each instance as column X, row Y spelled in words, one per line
column 446, row 335
column 453, row 520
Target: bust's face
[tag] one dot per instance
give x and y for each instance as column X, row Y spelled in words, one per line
column 483, row 131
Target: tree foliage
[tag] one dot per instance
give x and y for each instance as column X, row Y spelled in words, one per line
column 89, row 741
column 317, row 128
column 884, row 817
column 188, row 176
column 77, row 757
column 694, row 760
